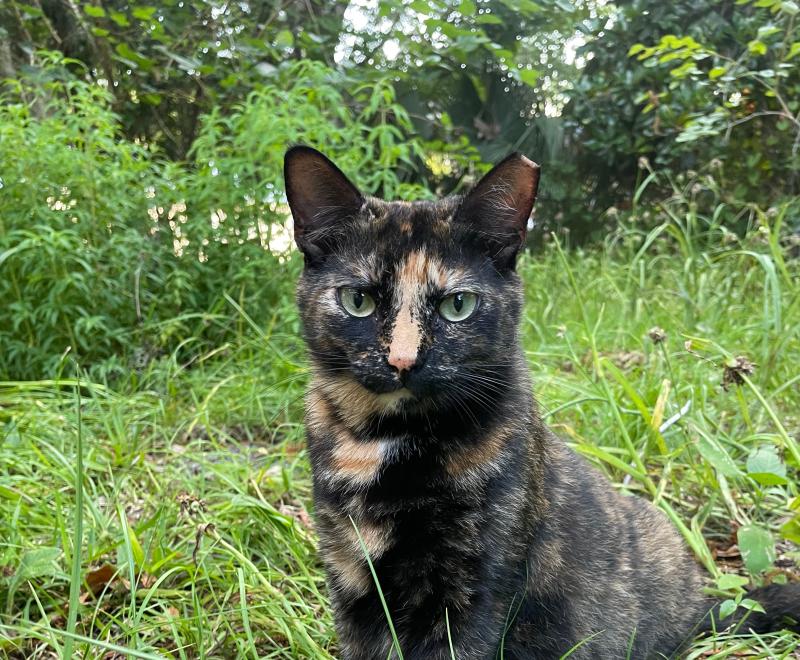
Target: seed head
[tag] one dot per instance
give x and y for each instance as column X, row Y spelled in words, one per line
column 657, row 335
column 733, row 371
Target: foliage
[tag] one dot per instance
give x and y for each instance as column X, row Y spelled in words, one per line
column 166, row 63
column 716, row 85
column 586, row 88
column 121, row 255
column 69, row 251
column 745, row 94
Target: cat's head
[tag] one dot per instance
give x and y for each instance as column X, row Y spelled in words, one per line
column 410, row 306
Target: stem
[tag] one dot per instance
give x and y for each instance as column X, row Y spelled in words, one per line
column 75, row 579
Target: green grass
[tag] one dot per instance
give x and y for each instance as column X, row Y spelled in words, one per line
column 196, row 487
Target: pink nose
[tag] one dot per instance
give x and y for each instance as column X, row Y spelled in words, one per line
column 402, row 361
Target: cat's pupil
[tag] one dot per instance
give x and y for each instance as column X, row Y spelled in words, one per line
column 358, row 299
column 458, row 301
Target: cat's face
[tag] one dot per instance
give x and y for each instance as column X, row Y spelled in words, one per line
column 409, row 307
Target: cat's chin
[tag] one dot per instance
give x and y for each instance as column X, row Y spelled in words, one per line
column 395, row 399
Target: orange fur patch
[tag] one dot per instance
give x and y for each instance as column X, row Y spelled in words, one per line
column 481, row 456
column 351, row 459
column 358, row 461
column 352, row 575
column 406, row 338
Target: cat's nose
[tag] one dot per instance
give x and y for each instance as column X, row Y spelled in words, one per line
column 402, row 361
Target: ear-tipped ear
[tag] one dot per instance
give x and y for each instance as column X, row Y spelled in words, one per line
column 320, row 197
column 498, row 207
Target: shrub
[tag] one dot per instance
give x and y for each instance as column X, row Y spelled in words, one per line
column 109, row 252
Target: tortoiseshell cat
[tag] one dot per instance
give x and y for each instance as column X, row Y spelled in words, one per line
column 422, row 431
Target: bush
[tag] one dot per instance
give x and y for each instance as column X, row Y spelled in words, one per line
column 109, row 252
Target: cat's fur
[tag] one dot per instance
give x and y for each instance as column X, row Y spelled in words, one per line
column 471, row 510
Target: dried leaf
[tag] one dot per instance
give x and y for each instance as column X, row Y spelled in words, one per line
column 99, row 578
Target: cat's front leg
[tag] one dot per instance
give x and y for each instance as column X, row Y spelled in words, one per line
column 469, row 636
column 474, row 646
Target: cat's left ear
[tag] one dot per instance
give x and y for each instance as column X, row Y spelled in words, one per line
column 498, row 207
column 321, row 198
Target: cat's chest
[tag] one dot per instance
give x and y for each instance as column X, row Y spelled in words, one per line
column 389, row 476
column 410, row 536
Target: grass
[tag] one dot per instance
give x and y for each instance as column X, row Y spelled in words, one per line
column 197, row 536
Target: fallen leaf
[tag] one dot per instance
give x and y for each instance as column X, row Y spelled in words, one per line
column 146, row 580
column 99, row 578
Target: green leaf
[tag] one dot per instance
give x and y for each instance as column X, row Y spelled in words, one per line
column 765, row 466
column 716, row 72
column 126, row 52
column 480, row 88
column 794, row 50
column 717, row 456
column 684, row 70
column 726, row 608
column 757, row 47
column 100, row 32
column 752, row 605
column 151, row 98
column 94, row 12
column 790, row 7
column 120, row 19
column 136, row 547
column 143, row 13
column 791, row 530
column 529, row 76
column 522, row 6
column 229, row 81
column 757, row 548
column 284, row 39
column 39, row 562
column 36, row 563
column 488, row 19
column 730, row 581
column 185, row 63
column 467, row 8
column 31, row 12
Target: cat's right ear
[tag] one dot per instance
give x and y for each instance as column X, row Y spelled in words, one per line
column 321, row 198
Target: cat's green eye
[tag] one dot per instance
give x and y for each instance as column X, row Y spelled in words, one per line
column 356, row 303
column 458, row 306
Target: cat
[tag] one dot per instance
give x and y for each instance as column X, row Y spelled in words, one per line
column 427, row 451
